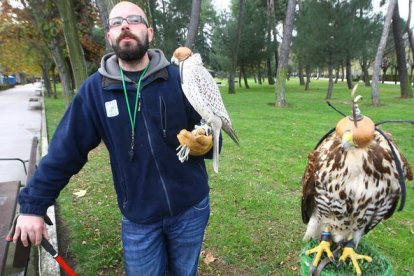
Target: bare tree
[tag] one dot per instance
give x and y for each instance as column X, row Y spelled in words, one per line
column 280, row 87
column 380, row 54
column 194, row 22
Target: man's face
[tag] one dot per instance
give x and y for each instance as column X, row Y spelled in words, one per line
column 128, row 33
column 130, row 47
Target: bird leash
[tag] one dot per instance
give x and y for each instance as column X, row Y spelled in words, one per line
column 46, row 245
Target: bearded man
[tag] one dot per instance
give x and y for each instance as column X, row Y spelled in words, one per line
column 135, row 105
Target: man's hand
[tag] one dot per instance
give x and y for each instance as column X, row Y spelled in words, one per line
column 196, row 141
column 30, row 228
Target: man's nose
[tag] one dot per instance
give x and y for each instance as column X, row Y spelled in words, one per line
column 124, row 24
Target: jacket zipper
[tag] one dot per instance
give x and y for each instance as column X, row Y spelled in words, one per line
column 125, row 190
column 156, row 164
column 163, row 113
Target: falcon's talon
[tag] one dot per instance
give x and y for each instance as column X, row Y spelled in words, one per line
column 350, row 253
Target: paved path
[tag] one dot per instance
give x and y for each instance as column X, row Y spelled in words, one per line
column 20, row 121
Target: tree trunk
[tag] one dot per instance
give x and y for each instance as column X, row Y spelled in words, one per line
column 64, row 71
column 300, row 73
column 246, row 83
column 270, row 26
column 75, row 50
column 410, row 39
column 259, row 74
column 308, row 73
column 194, row 22
column 232, row 89
column 405, row 87
column 330, row 83
column 280, row 88
column 380, row 53
column 364, row 67
column 46, row 78
column 337, row 74
column 232, row 73
column 104, row 16
column 240, row 77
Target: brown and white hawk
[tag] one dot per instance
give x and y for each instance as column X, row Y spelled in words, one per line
column 353, row 180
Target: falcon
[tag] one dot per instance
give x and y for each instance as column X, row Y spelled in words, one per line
column 204, row 95
column 354, row 180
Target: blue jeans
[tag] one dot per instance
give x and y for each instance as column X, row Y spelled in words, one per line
column 172, row 243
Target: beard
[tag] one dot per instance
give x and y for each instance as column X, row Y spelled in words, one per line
column 130, row 51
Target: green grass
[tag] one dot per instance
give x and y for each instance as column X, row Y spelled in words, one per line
column 255, row 226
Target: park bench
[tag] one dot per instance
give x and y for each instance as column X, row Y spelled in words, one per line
column 8, row 201
column 35, row 103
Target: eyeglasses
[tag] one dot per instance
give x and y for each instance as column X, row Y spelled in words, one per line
column 131, row 19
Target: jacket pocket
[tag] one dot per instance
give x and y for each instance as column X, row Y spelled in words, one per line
column 163, row 117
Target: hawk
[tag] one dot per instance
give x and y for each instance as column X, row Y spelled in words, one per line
column 354, row 179
column 204, row 95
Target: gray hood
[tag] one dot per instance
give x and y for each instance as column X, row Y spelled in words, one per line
column 110, row 67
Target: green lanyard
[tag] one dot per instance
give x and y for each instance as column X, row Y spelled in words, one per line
column 132, row 120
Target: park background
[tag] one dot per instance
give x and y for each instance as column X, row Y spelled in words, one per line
column 274, row 81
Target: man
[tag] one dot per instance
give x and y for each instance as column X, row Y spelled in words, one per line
column 134, row 103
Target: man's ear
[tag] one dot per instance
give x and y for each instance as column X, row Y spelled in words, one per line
column 150, row 34
column 108, row 37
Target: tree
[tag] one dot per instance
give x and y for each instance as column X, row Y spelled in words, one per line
column 271, row 22
column 280, row 87
column 193, row 25
column 405, row 87
column 45, row 19
column 410, row 38
column 236, row 47
column 380, row 54
column 75, row 51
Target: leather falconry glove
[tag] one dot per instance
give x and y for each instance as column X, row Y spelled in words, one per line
column 195, row 143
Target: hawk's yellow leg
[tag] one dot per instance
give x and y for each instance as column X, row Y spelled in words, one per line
column 324, row 246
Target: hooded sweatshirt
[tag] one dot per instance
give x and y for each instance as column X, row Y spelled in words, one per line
column 153, row 184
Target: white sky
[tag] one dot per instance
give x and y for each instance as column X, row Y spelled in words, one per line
column 402, row 4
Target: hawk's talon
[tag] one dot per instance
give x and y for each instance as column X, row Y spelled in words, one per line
column 350, row 253
column 324, row 246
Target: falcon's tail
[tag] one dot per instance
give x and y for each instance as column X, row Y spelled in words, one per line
column 216, row 137
column 230, row 132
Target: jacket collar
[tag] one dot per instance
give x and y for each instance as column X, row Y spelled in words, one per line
column 108, row 83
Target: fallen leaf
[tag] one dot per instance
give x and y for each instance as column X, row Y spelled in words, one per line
column 80, row 193
column 209, row 258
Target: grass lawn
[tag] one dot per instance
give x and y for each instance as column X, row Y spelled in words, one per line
column 255, row 226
